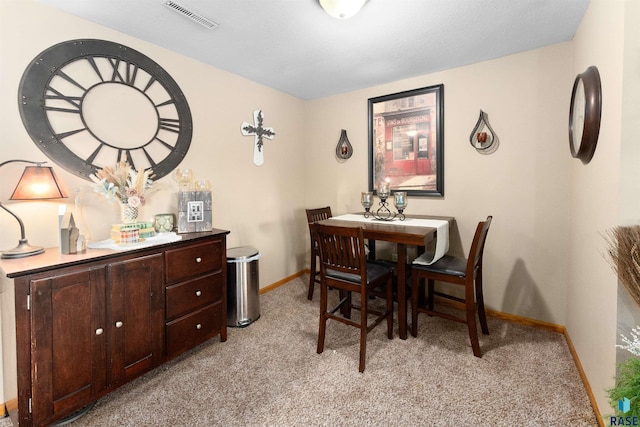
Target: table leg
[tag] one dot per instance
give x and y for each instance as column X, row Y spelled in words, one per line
column 372, row 249
column 421, row 294
column 402, row 291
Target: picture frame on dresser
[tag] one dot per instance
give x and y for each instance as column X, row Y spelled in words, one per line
column 406, row 141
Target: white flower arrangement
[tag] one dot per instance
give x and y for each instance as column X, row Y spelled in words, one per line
column 123, row 183
column 632, row 346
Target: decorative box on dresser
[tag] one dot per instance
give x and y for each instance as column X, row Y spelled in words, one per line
column 75, row 327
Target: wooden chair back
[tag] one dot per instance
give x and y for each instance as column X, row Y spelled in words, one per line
column 314, row 215
column 342, row 250
column 318, row 214
column 474, row 262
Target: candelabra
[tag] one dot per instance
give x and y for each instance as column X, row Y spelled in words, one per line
column 383, row 212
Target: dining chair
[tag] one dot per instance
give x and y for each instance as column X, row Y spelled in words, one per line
column 344, row 266
column 465, row 272
column 314, row 215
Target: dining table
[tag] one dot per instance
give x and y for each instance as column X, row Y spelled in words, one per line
column 414, row 230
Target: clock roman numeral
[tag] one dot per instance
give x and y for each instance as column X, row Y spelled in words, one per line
column 169, row 146
column 130, row 71
column 171, row 125
column 149, row 159
column 70, row 80
column 93, row 64
column 93, row 155
column 162, row 104
column 73, row 100
column 63, row 135
column 149, row 83
column 116, row 76
column 125, row 155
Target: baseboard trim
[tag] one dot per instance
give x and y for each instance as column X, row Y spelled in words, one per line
column 281, row 282
column 583, row 375
column 11, row 408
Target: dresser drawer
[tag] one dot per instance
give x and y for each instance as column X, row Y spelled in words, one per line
column 186, row 296
column 187, row 332
column 195, row 260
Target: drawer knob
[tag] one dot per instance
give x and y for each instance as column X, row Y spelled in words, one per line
column 198, row 326
column 198, row 259
column 198, row 293
column 99, row 331
column 119, row 324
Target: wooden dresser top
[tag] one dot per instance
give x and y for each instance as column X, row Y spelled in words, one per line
column 52, row 258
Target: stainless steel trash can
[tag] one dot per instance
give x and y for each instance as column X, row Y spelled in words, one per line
column 243, row 284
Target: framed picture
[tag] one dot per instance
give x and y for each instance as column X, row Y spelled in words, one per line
column 406, row 141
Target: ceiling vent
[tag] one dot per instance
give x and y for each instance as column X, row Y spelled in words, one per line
column 191, row 15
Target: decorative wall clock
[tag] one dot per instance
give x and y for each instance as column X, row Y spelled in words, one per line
column 90, row 103
column 584, row 114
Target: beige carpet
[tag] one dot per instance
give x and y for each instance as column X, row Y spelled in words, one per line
column 268, row 374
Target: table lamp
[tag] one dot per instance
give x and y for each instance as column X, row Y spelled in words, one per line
column 36, row 183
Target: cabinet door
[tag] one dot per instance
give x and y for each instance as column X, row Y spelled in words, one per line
column 136, row 316
column 68, row 347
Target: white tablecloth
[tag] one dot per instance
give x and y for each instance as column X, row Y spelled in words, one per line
column 158, row 239
column 442, row 233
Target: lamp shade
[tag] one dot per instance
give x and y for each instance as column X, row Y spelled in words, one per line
column 38, row 183
column 342, row 9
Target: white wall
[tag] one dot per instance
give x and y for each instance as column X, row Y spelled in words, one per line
column 524, row 184
column 544, row 253
column 258, row 204
column 595, row 202
column 628, row 311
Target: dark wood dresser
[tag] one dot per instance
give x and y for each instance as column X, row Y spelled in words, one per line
column 75, row 327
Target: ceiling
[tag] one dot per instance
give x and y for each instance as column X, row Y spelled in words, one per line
column 295, row 47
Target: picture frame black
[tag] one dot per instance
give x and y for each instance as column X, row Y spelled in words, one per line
column 406, row 141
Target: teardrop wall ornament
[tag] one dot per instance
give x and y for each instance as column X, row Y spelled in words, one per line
column 483, row 138
column 344, row 150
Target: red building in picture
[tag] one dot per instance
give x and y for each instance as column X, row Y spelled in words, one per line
column 405, row 146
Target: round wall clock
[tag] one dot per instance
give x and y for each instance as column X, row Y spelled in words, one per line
column 89, row 103
column 584, row 115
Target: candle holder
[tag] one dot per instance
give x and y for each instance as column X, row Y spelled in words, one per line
column 383, row 212
column 184, row 177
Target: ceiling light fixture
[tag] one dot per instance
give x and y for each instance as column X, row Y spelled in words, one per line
column 342, row 9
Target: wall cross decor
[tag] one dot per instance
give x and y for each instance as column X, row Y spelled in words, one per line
column 258, row 132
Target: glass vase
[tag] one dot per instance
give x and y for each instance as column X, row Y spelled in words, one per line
column 128, row 214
